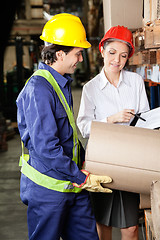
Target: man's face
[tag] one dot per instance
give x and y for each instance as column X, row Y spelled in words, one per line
column 71, row 60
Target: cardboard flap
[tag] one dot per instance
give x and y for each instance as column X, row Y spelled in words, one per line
column 124, row 146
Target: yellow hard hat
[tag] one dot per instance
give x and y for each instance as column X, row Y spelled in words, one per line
column 65, row 29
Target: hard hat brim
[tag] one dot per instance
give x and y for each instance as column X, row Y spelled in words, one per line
column 84, row 44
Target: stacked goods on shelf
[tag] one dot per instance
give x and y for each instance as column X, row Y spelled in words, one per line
column 147, row 39
column 151, row 11
column 36, row 9
column 146, row 60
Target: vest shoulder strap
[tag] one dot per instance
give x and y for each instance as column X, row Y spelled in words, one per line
column 48, row 76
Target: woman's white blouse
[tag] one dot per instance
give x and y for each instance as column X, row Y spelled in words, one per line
column 100, row 99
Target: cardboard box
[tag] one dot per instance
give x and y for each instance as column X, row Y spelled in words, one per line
column 155, row 207
column 147, row 12
column 152, row 36
column 36, row 2
column 145, row 201
column 129, row 155
column 137, row 58
column 149, row 225
column 158, row 56
column 123, row 13
column 36, row 12
column 148, row 35
column 153, row 56
column 151, row 11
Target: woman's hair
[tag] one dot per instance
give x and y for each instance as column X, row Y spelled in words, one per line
column 48, row 53
column 113, row 39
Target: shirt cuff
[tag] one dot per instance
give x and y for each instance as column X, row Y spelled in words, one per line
column 80, row 178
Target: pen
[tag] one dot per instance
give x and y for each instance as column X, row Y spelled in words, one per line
column 136, row 115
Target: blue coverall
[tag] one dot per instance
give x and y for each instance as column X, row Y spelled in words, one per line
column 46, row 132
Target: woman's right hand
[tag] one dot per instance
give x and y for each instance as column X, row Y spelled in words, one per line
column 122, row 116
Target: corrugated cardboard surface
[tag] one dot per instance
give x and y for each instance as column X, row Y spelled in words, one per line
column 155, row 207
column 129, row 155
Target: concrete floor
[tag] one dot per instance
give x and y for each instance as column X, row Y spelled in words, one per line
column 13, row 214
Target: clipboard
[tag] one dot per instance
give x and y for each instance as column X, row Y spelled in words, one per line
column 152, row 118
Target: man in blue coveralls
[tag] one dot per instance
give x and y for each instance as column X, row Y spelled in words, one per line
column 53, row 184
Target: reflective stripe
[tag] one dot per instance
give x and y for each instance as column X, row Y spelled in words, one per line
column 75, row 148
column 44, row 180
column 32, row 173
column 48, row 76
column 63, row 101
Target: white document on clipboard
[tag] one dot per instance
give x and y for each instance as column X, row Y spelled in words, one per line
column 152, row 118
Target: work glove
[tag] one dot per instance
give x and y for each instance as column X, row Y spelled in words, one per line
column 93, row 183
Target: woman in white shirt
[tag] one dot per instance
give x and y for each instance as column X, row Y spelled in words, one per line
column 111, row 97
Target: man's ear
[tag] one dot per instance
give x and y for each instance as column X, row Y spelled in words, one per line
column 60, row 55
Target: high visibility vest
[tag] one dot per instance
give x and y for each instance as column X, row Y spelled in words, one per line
column 40, row 178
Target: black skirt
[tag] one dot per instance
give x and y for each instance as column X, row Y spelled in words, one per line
column 117, row 209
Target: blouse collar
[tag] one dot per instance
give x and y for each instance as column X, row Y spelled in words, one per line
column 104, row 81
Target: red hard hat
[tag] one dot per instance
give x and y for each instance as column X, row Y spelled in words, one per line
column 120, row 33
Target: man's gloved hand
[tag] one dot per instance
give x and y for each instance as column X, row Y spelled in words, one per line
column 93, row 183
